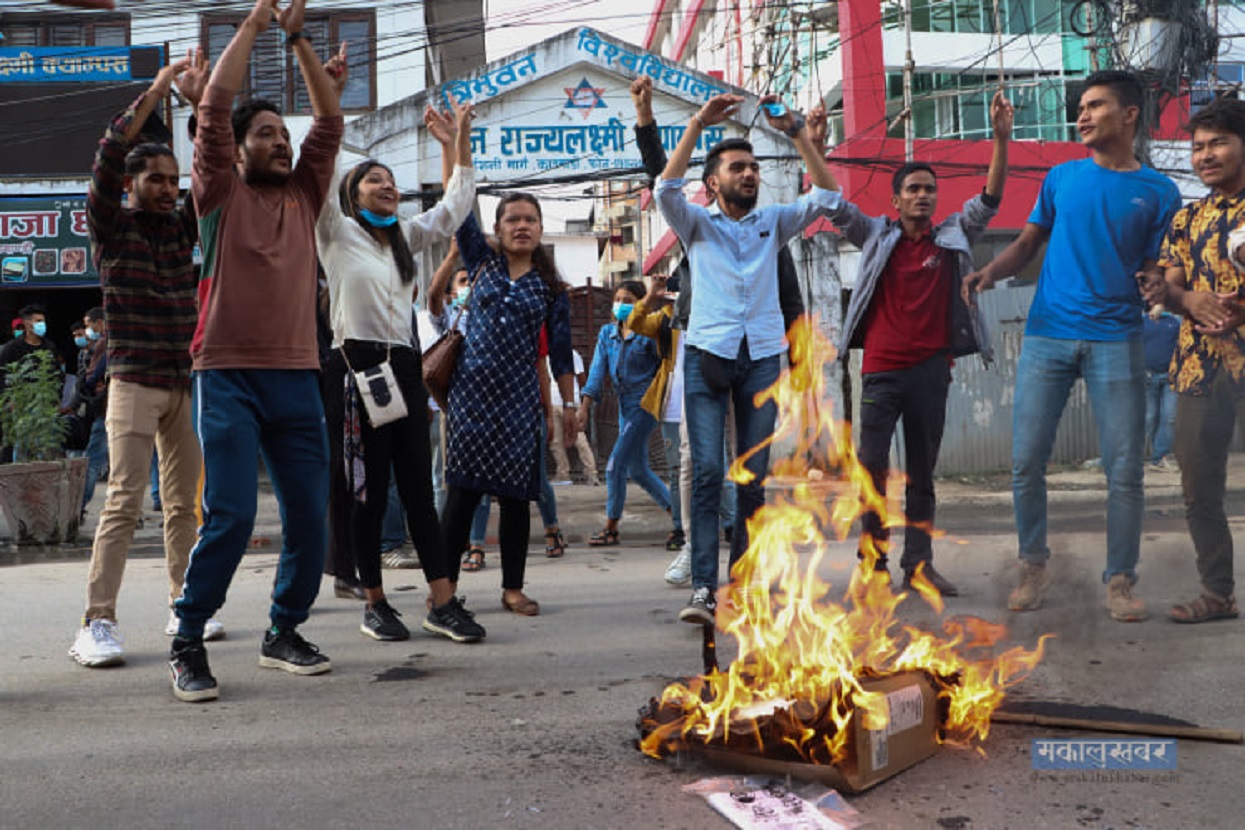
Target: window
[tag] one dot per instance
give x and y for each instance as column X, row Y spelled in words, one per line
column 274, row 72
column 1226, row 80
column 65, row 30
column 952, row 105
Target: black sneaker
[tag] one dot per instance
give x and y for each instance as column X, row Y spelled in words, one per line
column 380, row 622
column 676, row 540
column 286, row 649
column 700, row 608
column 454, row 621
column 192, row 679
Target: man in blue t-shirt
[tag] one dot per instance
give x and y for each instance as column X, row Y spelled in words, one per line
column 1104, row 217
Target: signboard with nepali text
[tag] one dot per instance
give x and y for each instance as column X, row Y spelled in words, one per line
column 44, row 243
column 58, row 64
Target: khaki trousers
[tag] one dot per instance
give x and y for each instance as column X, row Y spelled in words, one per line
column 139, row 416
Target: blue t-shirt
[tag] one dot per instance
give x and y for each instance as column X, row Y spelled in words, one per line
column 1104, row 224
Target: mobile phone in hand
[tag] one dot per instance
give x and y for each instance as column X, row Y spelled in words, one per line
column 775, row 109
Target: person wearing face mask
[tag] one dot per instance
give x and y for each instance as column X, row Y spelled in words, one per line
column 31, row 339
column 366, row 250
column 630, row 361
column 102, row 647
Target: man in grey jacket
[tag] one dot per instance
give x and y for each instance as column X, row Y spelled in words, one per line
column 907, row 314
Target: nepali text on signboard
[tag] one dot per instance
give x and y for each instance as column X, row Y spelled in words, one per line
column 61, row 64
column 44, row 242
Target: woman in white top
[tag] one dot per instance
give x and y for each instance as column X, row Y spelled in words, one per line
column 366, row 250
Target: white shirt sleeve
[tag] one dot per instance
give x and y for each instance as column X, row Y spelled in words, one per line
column 440, row 222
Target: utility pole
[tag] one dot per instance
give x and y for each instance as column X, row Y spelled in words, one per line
column 908, row 67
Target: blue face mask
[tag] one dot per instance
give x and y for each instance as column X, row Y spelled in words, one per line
column 40, row 328
column 376, row 220
column 91, row 334
column 80, row 341
column 17, row 333
column 622, row 311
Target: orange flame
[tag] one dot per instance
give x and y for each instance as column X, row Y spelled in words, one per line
column 801, row 656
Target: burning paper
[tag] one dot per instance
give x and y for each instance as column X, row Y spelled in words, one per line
column 801, row 683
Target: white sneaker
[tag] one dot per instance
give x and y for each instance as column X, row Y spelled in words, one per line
column 212, row 629
column 98, row 644
column 680, row 571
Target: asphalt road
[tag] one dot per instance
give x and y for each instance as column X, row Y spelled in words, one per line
column 535, row 726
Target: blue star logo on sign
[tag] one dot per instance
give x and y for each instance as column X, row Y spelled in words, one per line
column 584, row 97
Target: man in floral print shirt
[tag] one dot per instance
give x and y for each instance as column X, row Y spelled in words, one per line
column 1208, row 368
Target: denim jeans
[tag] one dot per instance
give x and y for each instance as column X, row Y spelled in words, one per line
column 436, row 440
column 547, row 503
column 393, row 527
column 705, row 409
column 479, row 520
column 97, row 457
column 1160, row 415
column 670, row 443
column 155, row 479
column 1114, row 374
column 629, row 459
column 240, row 414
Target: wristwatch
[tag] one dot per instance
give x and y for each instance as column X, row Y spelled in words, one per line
column 796, row 126
column 570, row 405
column 293, row 36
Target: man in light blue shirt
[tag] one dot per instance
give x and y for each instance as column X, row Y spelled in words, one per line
column 735, row 335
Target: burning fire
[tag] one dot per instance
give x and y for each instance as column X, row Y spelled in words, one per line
column 802, row 656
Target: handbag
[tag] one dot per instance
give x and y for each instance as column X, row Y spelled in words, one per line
column 441, row 358
column 382, row 397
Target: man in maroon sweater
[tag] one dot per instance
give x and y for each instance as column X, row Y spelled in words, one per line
column 255, row 358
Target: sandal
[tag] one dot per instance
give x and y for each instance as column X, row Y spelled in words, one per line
column 474, row 560
column 524, row 606
column 1205, row 608
column 604, row 539
column 556, row 546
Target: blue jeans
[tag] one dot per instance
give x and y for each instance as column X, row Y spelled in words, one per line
column 705, row 409
column 670, row 443
column 155, row 479
column 393, row 528
column 479, row 521
column 97, row 457
column 436, row 440
column 630, row 459
column 1114, row 374
column 1161, row 401
column 547, row 503
column 240, row 413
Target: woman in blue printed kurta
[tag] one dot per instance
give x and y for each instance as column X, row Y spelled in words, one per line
column 493, row 423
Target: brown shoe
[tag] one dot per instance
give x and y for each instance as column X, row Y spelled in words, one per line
column 1027, row 596
column 1121, row 603
column 524, row 606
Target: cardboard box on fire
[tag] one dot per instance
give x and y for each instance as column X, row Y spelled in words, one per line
column 910, row 736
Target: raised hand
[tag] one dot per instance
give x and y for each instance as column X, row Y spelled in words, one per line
column 338, row 69
column 819, row 126
column 261, row 14
column 1002, row 116
column 441, row 125
column 657, row 293
column 290, row 18
column 463, row 113
column 164, row 78
column 192, row 80
column 642, row 94
column 782, row 122
column 718, row 108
